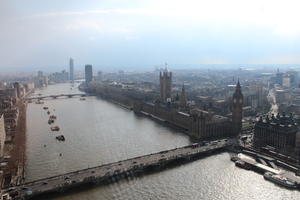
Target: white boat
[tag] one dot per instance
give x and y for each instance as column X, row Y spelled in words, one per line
column 280, row 180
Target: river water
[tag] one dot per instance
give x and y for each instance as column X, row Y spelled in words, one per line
column 99, row 132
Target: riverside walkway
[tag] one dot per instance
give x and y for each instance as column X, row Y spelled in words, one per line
column 113, row 171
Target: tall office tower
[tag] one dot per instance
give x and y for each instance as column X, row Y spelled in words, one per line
column 40, row 74
column 88, row 73
column 165, row 85
column 71, row 64
column 17, row 86
column 237, row 109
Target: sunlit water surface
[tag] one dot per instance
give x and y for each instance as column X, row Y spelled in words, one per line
column 99, row 132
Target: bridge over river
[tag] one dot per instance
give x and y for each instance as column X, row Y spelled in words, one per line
column 58, row 96
column 112, row 171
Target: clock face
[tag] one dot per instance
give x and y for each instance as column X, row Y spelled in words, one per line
column 234, row 100
column 241, row 100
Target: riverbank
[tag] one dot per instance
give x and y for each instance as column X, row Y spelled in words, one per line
column 14, row 173
column 20, row 144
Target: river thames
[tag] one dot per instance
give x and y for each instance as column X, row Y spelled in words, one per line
column 99, row 132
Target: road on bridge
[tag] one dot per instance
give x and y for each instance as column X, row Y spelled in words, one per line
column 103, row 172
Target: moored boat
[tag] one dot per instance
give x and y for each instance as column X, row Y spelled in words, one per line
column 280, row 180
column 234, row 158
column 52, row 117
column 45, row 108
column 242, row 164
column 55, row 128
column 39, row 102
column 60, row 138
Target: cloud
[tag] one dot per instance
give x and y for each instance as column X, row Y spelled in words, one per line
column 94, row 12
column 281, row 16
column 92, row 38
column 84, row 24
column 228, row 31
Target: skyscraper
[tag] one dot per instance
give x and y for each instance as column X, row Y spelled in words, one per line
column 40, row 74
column 17, row 86
column 237, row 109
column 71, row 64
column 165, row 84
column 88, row 73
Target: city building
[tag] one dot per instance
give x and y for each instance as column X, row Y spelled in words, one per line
column 165, row 78
column 59, row 77
column 29, row 86
column 2, row 135
column 10, row 92
column 40, row 74
column 183, row 100
column 283, row 96
column 279, row 76
column 206, row 125
column 237, row 109
column 17, row 86
column 71, row 72
column 99, row 76
column 293, row 76
column 256, row 97
column 286, row 81
column 40, row 80
column 88, row 73
column 278, row 132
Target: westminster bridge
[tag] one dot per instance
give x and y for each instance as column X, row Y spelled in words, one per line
column 111, row 172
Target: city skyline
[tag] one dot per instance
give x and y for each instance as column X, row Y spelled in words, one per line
column 149, row 99
column 143, row 123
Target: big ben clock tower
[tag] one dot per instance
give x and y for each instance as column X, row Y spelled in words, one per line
column 237, row 109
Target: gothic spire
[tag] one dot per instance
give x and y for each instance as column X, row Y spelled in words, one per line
column 238, row 91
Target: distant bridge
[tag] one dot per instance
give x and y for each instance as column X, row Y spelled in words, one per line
column 113, row 171
column 58, row 96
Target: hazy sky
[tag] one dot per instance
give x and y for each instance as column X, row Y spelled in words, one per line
column 107, row 33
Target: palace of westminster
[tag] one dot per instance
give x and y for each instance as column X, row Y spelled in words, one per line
column 198, row 123
column 280, row 132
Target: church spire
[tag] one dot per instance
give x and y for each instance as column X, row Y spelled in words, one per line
column 238, row 91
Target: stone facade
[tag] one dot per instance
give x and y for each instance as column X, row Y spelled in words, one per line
column 165, row 85
column 199, row 124
column 207, row 126
column 237, row 109
column 278, row 131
